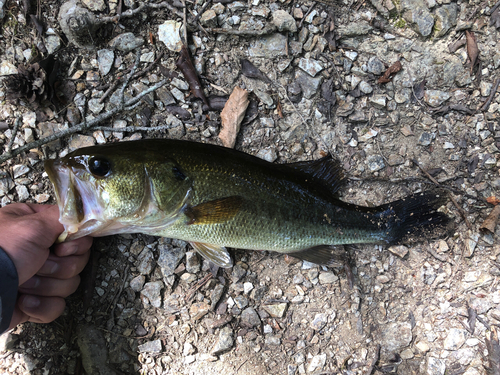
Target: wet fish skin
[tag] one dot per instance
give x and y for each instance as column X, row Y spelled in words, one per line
column 216, row 197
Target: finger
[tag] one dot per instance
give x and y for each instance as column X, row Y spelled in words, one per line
column 64, row 267
column 50, row 287
column 39, row 309
column 76, row 247
column 50, row 217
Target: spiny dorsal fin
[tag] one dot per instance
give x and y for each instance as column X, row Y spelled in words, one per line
column 218, row 255
column 214, row 212
column 327, row 169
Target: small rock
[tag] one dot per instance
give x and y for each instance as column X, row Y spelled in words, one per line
column 94, row 5
column 105, row 59
column 375, row 163
column 378, row 101
column 422, row 346
column 446, row 18
column 52, row 43
column 153, row 347
column 327, row 278
column 137, row 283
column 6, row 184
column 395, row 159
column 365, row 87
column 310, row 66
column 470, row 245
column 268, row 154
column 41, row 198
column 276, row 311
column 317, row 363
column 269, row 46
column 307, row 84
column 396, row 336
column 407, row 354
column 383, row 279
column 241, row 301
column 247, row 287
column 95, row 106
column 272, row 340
column 224, row 342
column 78, row 141
column 426, row 138
column 169, row 34
column 455, row 339
column 436, row 97
column 169, row 258
column 250, row 318
column 353, row 29
column 435, row 366
column 375, row 66
column 19, row 170
column 209, row 18
column 319, row 322
column 198, row 310
column 284, row 21
column 188, row 349
column 193, row 263
column 145, row 261
column 216, row 295
column 126, row 42
column 152, row 292
column 22, row 193
column 368, row 135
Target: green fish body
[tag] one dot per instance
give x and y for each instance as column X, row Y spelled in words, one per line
column 215, row 197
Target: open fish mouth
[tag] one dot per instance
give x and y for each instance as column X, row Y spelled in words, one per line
column 77, row 202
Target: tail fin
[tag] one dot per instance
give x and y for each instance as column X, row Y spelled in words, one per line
column 415, row 218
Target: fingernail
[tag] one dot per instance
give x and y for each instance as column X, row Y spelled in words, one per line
column 31, row 283
column 49, row 267
column 30, row 302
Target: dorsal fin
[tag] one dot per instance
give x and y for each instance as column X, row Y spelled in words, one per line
column 327, row 171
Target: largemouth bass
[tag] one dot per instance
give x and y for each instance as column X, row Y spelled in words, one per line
column 215, row 197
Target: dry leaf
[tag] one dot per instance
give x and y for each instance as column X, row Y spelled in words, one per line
column 493, row 200
column 232, row 115
column 490, row 222
column 279, row 109
column 185, row 64
column 251, row 71
column 389, row 73
column 472, row 48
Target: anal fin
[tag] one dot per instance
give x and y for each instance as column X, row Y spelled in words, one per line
column 325, row 255
column 218, row 255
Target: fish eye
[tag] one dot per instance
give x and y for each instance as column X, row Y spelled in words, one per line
column 99, row 166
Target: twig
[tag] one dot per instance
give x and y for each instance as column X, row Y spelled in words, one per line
column 131, row 128
column 495, row 7
column 264, row 31
column 83, row 125
column 139, row 9
column 14, row 133
column 494, row 89
column 184, row 26
column 198, row 285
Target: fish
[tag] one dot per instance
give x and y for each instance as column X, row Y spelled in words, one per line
column 217, row 198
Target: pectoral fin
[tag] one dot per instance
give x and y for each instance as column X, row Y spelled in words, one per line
column 216, row 254
column 214, row 212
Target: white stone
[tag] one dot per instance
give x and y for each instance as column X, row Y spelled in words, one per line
column 169, row 34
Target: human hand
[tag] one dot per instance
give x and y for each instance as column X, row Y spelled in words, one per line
column 45, row 277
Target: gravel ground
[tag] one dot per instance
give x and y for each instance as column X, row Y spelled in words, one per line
column 152, row 305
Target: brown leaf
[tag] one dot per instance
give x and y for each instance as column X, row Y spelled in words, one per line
column 418, row 91
column 232, row 116
column 389, row 73
column 279, row 108
column 185, row 64
column 493, row 200
column 472, row 48
column 490, row 222
column 251, row 71
column 456, row 45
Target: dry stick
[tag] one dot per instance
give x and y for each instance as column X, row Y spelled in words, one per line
column 14, row 133
column 460, row 210
column 198, row 285
column 486, row 105
column 140, row 8
column 83, row 125
column 131, row 128
column 495, row 7
column 264, row 31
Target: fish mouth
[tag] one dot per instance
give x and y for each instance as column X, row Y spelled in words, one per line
column 77, row 202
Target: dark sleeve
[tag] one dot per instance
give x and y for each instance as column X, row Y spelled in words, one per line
column 8, row 290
